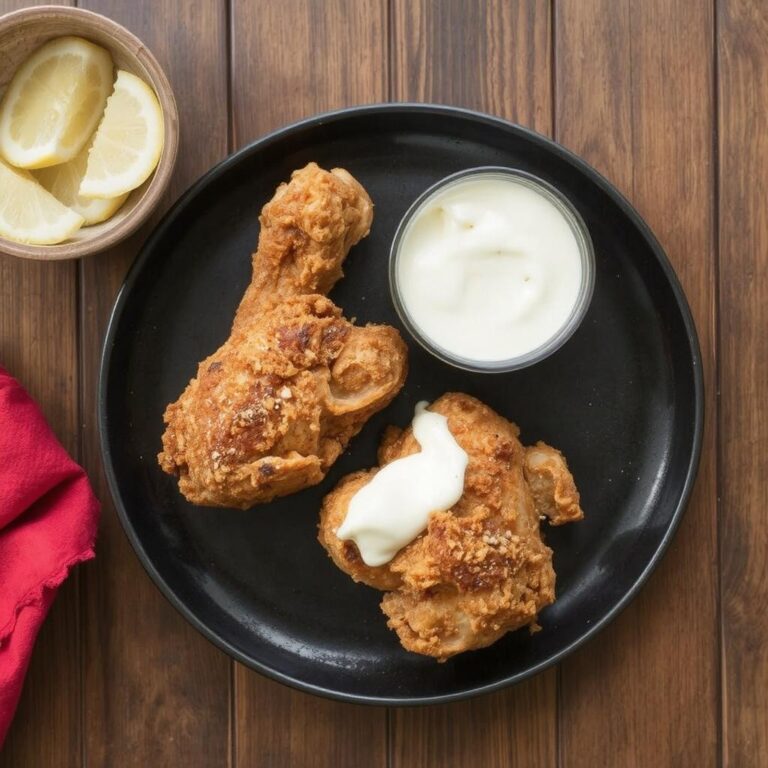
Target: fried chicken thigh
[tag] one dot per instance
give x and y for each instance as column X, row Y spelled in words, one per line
column 480, row 569
column 277, row 403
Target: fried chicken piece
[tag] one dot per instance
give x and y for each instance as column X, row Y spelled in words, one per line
column 277, row 403
column 554, row 492
column 480, row 569
column 307, row 229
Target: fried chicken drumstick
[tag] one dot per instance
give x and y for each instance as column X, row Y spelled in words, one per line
column 480, row 569
column 277, row 403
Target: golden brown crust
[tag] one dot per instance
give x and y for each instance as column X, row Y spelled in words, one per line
column 551, row 483
column 345, row 553
column 480, row 569
column 307, row 229
column 277, row 403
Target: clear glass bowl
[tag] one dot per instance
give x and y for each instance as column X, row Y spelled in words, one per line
column 583, row 299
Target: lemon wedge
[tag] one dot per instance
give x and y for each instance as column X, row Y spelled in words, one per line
column 29, row 214
column 128, row 141
column 54, row 102
column 63, row 182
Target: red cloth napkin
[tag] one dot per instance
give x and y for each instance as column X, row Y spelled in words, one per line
column 48, row 519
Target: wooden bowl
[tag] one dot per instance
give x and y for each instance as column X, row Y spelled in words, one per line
column 21, row 32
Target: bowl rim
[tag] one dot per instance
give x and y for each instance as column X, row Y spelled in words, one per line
column 579, row 229
column 161, row 176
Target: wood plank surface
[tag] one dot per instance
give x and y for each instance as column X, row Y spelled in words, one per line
column 494, row 57
column 290, row 60
column 634, row 96
column 294, row 58
column 743, row 143
column 156, row 692
column 38, row 345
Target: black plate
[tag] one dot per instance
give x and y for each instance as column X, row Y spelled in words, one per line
column 622, row 399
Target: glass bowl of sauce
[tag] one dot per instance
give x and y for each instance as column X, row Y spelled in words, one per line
column 492, row 269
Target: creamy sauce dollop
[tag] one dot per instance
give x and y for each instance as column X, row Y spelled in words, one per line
column 489, row 268
column 394, row 507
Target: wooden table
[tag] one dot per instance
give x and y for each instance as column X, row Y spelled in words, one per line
column 668, row 99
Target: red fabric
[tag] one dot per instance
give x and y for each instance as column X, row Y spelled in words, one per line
column 48, row 519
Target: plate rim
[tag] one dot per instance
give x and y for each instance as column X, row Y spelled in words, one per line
column 339, row 115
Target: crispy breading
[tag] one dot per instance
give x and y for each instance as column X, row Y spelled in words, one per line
column 277, row 403
column 480, row 569
column 552, row 486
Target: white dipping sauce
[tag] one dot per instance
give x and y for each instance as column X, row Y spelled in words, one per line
column 489, row 269
column 394, row 507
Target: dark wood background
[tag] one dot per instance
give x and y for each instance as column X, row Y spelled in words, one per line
column 668, row 99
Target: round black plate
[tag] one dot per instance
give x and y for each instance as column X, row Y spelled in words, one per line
column 622, row 399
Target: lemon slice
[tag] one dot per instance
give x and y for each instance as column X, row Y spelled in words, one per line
column 29, row 214
column 128, row 141
column 63, row 182
column 54, row 102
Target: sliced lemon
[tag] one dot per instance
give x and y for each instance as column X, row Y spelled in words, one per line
column 63, row 182
column 54, row 102
column 29, row 214
column 128, row 141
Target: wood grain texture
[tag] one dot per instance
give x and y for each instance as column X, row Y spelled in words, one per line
column 282, row 728
column 38, row 345
column 290, row 60
column 743, row 141
column 516, row 727
column 634, row 96
column 494, row 57
column 295, row 58
column 156, row 692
